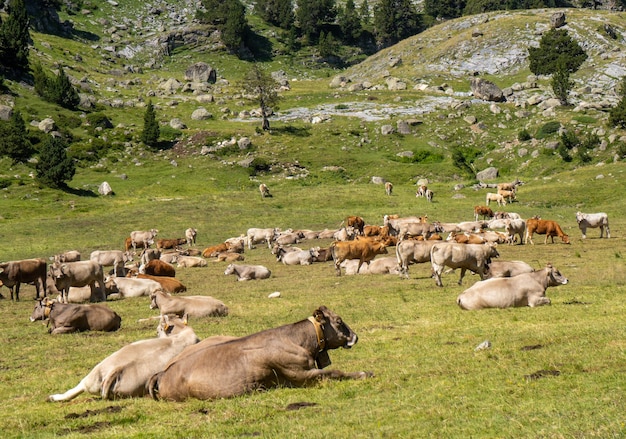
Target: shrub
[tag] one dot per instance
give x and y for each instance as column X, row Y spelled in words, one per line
column 547, row 129
column 99, row 120
column 524, row 135
column 55, row 167
column 170, row 134
column 569, row 140
column 258, row 165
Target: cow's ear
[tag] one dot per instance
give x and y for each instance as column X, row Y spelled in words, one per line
column 319, row 315
column 185, row 319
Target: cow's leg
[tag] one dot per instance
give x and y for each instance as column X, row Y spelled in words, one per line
column 303, row 376
column 584, row 232
column 608, row 232
column 63, row 329
column 17, row 292
column 538, row 301
column 437, row 273
column 462, row 275
column 70, row 394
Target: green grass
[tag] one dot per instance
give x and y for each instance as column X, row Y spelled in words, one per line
column 429, row 381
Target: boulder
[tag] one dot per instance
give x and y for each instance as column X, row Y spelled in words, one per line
column 201, row 114
column 557, row 20
column 105, row 189
column 47, row 125
column 403, row 127
column 177, row 124
column 486, row 90
column 490, row 173
column 386, row 130
column 201, row 72
column 5, row 112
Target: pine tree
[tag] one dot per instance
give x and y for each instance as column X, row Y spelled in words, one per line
column 55, row 167
column 64, row 92
column 364, row 13
column 14, row 141
column 312, row 15
column 235, row 26
column 617, row 114
column 395, row 20
column 561, row 84
column 14, row 37
column 151, row 130
column 349, row 22
column 555, row 46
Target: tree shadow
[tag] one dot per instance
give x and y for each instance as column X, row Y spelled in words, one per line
column 292, row 131
column 77, row 191
column 259, row 46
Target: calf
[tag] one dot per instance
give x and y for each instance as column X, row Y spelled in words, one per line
column 126, row 372
column 265, row 192
column 192, row 306
column 544, row 227
column 527, row 289
column 64, row 318
column 284, row 356
column 388, row 188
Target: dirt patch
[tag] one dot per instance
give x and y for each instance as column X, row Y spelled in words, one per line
column 576, row 302
column 542, row 374
column 300, row 405
column 531, row 347
column 88, row 413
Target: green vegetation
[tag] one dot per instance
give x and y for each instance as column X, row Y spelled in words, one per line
column 54, row 168
column 151, row 129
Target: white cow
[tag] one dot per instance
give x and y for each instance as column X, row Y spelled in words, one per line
column 126, row 372
column 495, row 197
column 192, row 306
column 248, row 272
column 410, row 252
column 473, row 257
column 593, row 220
column 124, row 287
column 386, row 265
column 190, row 236
column 145, row 238
column 257, row 235
column 302, row 257
column 190, row 261
column 515, row 227
column 507, row 269
column 527, row 289
column 114, row 258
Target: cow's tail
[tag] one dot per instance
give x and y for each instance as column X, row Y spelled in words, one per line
column 153, row 385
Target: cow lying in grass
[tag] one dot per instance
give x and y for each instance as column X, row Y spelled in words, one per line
column 292, row 355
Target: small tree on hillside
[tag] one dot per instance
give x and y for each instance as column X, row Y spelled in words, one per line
column 561, row 85
column 64, row 93
column 14, row 141
column 617, row 115
column 556, row 48
column 55, row 167
column 262, row 88
column 151, row 130
column 14, row 36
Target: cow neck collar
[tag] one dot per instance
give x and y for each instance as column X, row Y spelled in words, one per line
column 319, row 332
column 47, row 310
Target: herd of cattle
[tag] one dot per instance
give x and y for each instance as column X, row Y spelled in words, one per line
column 293, row 354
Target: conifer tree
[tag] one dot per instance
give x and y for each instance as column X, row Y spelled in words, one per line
column 555, row 46
column 617, row 114
column 55, row 167
column 151, row 130
column 349, row 22
column 14, row 141
column 14, row 36
column 64, row 93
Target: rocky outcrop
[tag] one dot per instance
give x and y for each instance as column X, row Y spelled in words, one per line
column 486, row 90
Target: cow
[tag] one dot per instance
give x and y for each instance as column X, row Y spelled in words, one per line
column 171, row 256
column 473, row 257
column 412, row 252
column 125, row 287
column 68, row 256
column 507, row 269
column 157, row 267
column 192, row 306
column 470, row 226
column 290, row 355
column 289, row 238
column 190, row 236
column 508, row 195
column 14, row 273
column 407, row 229
column 257, row 235
column 495, row 197
column 324, row 254
column 213, row 250
column 429, row 195
column 510, row 186
column 229, row 256
column 163, row 244
column 421, row 191
column 265, row 192
column 515, row 227
column 248, row 272
column 388, row 188
column 345, row 234
column 79, row 274
column 114, row 258
column 145, row 238
column 386, row 265
column 169, row 284
column 126, row 372
column 528, row 289
column 364, row 250
column 506, row 215
column 148, row 255
column 593, row 220
column 302, row 257
column 356, row 222
column 64, row 318
column 190, row 261
column 544, row 227
column 376, row 231
column 128, row 245
column 466, row 238
column 483, row 211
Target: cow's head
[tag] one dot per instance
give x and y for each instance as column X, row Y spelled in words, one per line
column 336, row 333
column 169, row 325
column 42, row 309
column 565, row 239
column 579, row 217
column 555, row 278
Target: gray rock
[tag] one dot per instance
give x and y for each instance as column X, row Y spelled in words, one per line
column 378, row 180
column 201, row 72
column 244, row 143
column 403, row 127
column 557, row 19
column 105, row 189
column 386, row 130
column 47, row 125
column 486, row 90
column 5, row 112
column 201, row 114
column 177, row 124
column 490, row 173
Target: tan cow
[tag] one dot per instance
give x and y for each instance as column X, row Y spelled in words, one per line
column 473, row 257
column 544, row 227
column 495, row 197
column 191, row 235
column 507, row 269
column 193, row 306
column 169, row 284
column 528, row 289
column 283, row 356
column 388, row 188
column 412, row 252
column 356, row 222
column 79, row 274
column 191, row 261
column 265, row 192
column 126, row 372
column 365, row 250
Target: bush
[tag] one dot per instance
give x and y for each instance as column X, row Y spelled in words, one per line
column 258, row 165
column 170, row 134
column 569, row 140
column 547, row 129
column 524, row 135
column 99, row 120
column 55, row 167
column 421, row 156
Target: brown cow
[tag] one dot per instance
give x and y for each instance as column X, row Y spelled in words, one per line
column 544, row 227
column 157, row 267
column 283, row 356
column 356, row 222
column 126, row 372
column 170, row 243
column 14, row 273
column 69, row 317
column 169, row 284
column 364, row 250
column 483, row 211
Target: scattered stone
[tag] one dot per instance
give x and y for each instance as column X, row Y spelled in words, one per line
column 483, row 346
column 486, row 90
column 490, row 173
column 105, row 189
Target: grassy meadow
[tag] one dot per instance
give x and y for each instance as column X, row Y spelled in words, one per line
column 556, row 371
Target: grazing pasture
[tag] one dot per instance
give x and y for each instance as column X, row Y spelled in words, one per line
column 555, row 371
